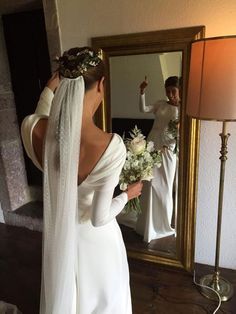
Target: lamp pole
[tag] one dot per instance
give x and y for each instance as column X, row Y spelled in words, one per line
column 221, row 285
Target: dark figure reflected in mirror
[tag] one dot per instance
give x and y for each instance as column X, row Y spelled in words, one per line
column 157, row 198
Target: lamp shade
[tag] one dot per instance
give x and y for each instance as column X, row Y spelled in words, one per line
column 212, row 79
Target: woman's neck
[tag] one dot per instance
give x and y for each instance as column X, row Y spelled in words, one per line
column 92, row 100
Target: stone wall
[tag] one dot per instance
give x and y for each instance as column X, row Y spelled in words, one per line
column 14, row 190
column 15, row 193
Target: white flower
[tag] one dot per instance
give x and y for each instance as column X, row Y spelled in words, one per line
column 127, row 166
column 132, row 178
column 150, row 146
column 137, row 145
column 147, row 157
column 123, row 186
column 158, row 164
column 147, row 178
column 136, row 164
column 129, row 155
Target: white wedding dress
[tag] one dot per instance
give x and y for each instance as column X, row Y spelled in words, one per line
column 157, row 196
column 101, row 275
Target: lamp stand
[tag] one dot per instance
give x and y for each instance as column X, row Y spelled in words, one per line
column 215, row 281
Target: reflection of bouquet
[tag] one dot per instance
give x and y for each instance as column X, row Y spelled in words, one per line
column 140, row 160
column 173, row 128
column 172, row 132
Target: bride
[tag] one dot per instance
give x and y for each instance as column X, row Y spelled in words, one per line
column 85, row 267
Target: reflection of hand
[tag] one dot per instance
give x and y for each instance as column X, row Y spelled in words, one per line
column 143, row 85
column 53, row 82
column 134, row 190
column 164, row 148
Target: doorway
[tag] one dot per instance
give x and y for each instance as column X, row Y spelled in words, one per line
column 29, row 62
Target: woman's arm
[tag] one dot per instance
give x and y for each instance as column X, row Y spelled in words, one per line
column 33, row 128
column 142, row 105
column 105, row 208
column 142, row 102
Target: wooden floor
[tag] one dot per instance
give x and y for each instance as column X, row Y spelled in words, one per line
column 155, row 290
column 134, row 242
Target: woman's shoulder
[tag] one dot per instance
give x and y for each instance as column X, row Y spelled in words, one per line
column 118, row 138
column 112, row 160
column 113, row 138
column 161, row 102
column 164, row 103
column 105, row 139
column 117, row 146
column 115, row 149
column 112, row 146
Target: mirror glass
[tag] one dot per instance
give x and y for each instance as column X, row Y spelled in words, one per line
column 155, row 227
column 164, row 231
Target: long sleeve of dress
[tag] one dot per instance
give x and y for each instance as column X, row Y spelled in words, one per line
column 143, row 107
column 107, row 208
column 104, row 207
column 42, row 111
column 45, row 101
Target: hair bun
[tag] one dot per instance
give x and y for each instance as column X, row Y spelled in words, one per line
column 76, row 61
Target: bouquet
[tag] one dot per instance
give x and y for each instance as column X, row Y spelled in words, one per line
column 140, row 161
column 172, row 132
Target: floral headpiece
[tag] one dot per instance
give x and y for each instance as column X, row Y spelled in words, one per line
column 77, row 61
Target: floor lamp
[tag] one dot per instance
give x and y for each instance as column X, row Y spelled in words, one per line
column 212, row 96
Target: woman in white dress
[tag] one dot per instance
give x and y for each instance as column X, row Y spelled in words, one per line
column 157, row 198
column 85, row 266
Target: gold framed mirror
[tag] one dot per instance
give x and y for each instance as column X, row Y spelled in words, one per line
column 170, row 51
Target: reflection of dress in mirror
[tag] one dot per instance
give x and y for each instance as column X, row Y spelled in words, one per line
column 157, row 197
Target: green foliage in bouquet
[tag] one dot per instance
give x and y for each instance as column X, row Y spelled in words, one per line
column 173, row 132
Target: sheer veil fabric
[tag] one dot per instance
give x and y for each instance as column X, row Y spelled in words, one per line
column 61, row 159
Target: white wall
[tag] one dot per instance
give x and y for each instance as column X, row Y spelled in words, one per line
column 81, row 20
column 126, row 74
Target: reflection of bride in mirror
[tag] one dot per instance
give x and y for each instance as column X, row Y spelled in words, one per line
column 154, row 222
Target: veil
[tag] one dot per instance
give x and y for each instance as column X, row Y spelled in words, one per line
column 61, row 160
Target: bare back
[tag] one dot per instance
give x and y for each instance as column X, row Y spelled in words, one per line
column 93, row 144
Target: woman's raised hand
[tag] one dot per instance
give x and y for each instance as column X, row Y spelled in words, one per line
column 143, row 85
column 53, row 82
column 134, row 190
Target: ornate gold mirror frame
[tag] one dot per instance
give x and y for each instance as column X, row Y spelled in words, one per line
column 156, row 42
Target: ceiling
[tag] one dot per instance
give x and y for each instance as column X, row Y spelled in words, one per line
column 12, row 6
